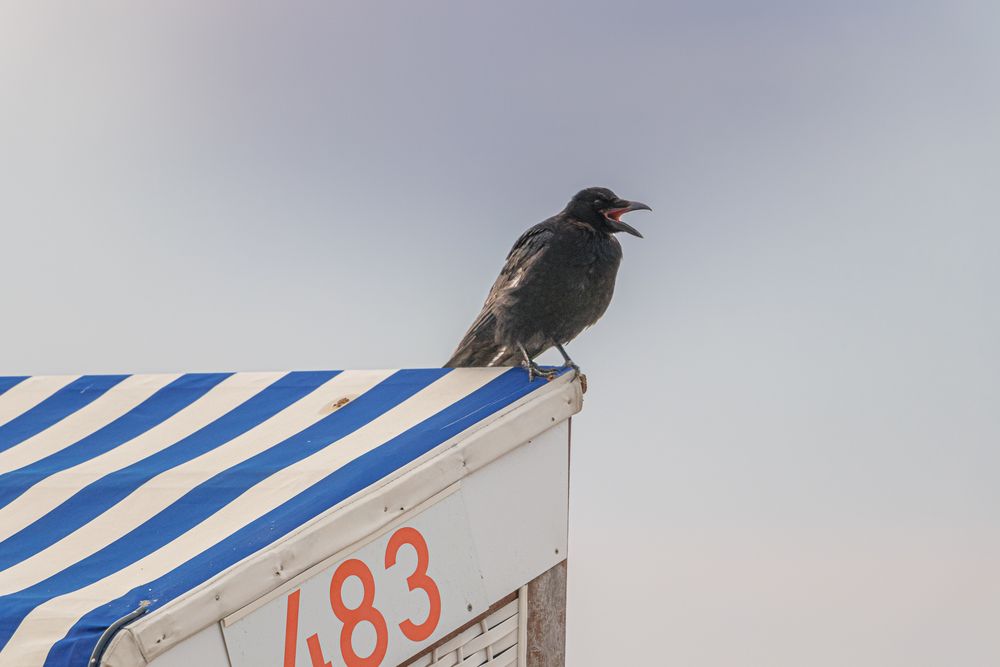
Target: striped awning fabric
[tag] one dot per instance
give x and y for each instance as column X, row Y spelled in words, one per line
column 119, row 489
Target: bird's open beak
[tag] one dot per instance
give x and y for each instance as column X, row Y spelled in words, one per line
column 616, row 213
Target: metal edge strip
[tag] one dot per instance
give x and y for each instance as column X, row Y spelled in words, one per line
column 105, row 638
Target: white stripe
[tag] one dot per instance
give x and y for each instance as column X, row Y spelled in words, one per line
column 26, row 394
column 30, row 643
column 162, row 490
column 114, row 403
column 42, row 498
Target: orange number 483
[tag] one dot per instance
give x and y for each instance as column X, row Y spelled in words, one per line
column 366, row 611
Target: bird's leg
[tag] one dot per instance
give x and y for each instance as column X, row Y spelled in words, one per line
column 532, row 367
column 566, row 360
column 569, row 363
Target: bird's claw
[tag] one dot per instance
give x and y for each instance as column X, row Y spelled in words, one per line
column 534, row 370
column 577, row 375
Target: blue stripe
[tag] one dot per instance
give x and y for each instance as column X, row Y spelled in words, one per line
column 76, row 646
column 154, row 410
column 103, row 493
column 205, row 499
column 8, row 381
column 56, row 407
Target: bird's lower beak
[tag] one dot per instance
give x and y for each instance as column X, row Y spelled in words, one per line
column 616, row 214
column 629, row 229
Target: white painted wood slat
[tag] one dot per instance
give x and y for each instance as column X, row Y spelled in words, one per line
column 492, row 642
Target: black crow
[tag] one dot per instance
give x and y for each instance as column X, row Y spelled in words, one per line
column 557, row 281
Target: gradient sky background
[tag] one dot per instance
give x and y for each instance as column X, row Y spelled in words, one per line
column 789, row 452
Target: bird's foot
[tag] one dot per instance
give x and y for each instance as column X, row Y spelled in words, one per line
column 534, row 370
column 567, row 362
column 577, row 374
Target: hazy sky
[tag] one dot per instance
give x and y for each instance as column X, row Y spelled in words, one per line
column 790, row 451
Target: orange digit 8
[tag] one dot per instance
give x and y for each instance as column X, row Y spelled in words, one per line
column 418, row 579
column 363, row 612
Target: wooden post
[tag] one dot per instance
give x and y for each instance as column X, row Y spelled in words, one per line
column 547, row 619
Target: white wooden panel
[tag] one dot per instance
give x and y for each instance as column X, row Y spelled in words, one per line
column 518, row 508
column 258, row 638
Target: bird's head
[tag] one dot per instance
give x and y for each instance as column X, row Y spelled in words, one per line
column 602, row 209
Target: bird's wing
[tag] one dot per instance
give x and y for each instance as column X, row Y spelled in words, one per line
column 527, row 251
column 479, row 346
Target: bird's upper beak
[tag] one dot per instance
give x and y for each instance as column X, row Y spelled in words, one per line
column 621, row 208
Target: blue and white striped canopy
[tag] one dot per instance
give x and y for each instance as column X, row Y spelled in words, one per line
column 116, row 489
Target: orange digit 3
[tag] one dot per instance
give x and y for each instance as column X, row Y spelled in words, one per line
column 419, row 579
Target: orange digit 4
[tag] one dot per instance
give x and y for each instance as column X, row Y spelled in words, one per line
column 316, row 652
column 291, row 627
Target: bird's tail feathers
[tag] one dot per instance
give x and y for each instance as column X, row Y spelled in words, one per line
column 474, row 353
